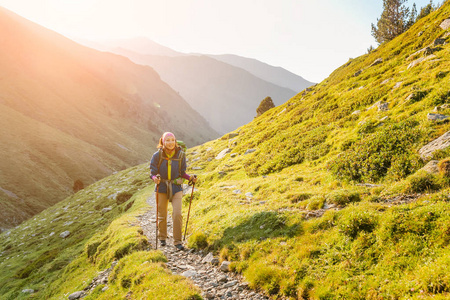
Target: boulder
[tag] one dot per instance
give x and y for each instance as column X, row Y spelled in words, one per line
column 225, row 266
column 223, row 153
column 357, row 73
column 64, row 234
column 76, row 295
column 440, row 143
column 439, row 42
column 208, row 258
column 431, row 167
column 419, row 60
column 377, row 62
column 436, row 117
column 249, row 151
column 445, row 24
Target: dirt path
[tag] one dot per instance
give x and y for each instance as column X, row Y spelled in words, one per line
column 214, row 283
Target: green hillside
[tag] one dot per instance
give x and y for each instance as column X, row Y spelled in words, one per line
column 320, row 198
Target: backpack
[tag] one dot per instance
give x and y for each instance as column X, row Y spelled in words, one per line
column 180, row 158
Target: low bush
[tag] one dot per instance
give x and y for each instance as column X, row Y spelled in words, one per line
column 198, row 240
column 422, row 182
column 444, row 167
column 343, row 197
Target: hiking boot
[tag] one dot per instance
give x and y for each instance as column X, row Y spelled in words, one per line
column 179, row 247
column 162, row 243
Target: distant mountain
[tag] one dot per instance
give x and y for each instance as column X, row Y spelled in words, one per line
column 226, row 89
column 68, row 112
column 225, row 95
column 140, row 45
column 276, row 75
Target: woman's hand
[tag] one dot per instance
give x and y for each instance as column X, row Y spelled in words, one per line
column 156, row 179
column 193, row 178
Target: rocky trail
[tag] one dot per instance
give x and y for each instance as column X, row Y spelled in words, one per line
column 215, row 281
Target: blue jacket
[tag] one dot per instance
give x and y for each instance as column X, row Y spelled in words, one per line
column 176, row 167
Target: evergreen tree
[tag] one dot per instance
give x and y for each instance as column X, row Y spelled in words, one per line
column 425, row 11
column 393, row 21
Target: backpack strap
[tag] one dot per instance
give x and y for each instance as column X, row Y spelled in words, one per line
column 181, row 156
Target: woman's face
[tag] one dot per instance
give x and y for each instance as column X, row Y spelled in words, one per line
column 169, row 142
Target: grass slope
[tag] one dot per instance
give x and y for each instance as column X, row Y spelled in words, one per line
column 34, row 256
column 297, row 217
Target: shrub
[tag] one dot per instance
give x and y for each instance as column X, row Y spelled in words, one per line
column 388, row 151
column 316, row 202
column 444, row 167
column 343, row 197
column 123, row 197
column 198, row 240
column 357, row 221
column 421, row 182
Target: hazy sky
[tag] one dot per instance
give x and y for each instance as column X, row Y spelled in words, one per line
column 309, row 38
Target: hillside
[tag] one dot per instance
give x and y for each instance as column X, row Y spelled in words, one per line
column 276, row 75
column 322, row 197
column 72, row 113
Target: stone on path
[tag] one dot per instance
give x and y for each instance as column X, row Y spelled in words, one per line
column 208, row 258
column 190, row 273
column 225, row 266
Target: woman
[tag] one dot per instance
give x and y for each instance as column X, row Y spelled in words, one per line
column 170, row 163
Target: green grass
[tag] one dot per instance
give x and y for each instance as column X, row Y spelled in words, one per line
column 33, row 256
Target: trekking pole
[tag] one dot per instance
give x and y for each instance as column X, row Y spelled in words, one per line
column 156, row 233
column 189, row 210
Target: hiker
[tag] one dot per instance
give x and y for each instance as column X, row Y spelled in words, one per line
column 170, row 163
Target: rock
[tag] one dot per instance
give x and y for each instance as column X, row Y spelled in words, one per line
column 76, row 295
column 382, row 106
column 356, row 112
column 208, row 295
column 215, row 261
column 420, row 33
column 440, row 143
column 357, row 73
column 68, row 223
column 221, row 173
column 28, row 291
column 376, row 62
column 397, row 85
column 233, row 154
column 249, row 195
column 249, row 151
column 222, row 279
column 208, row 258
column 225, row 266
column 190, row 273
column 386, row 81
column 439, row 42
column 419, row 60
column 223, row 153
column 230, row 284
column 436, row 117
column 105, row 289
column 106, row 209
column 445, row 24
column 236, row 192
column 431, row 167
column 64, row 234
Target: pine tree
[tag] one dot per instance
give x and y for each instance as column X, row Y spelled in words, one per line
column 393, row 21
